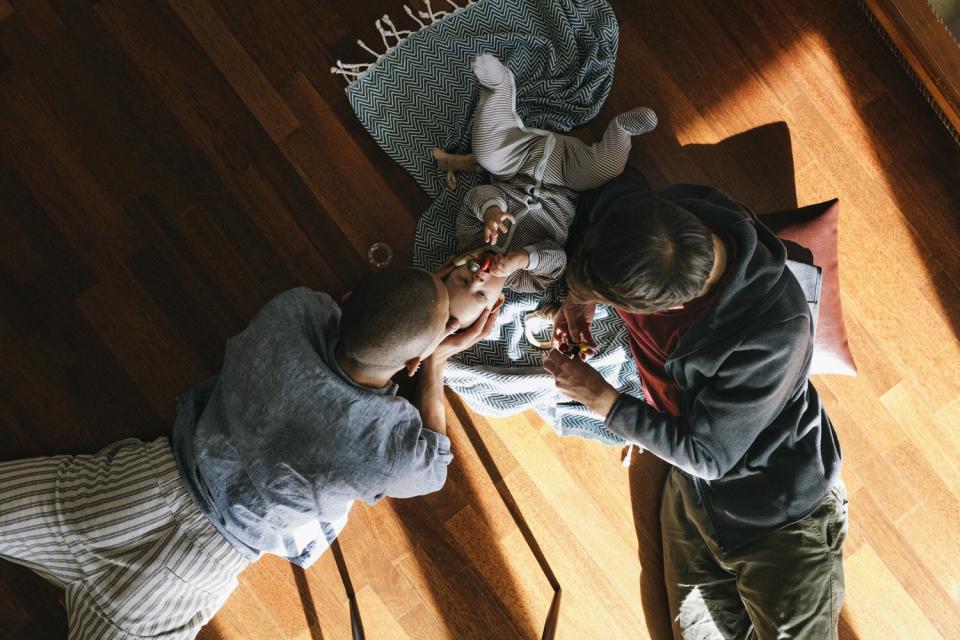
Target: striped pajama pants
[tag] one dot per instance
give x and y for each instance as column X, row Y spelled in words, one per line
column 120, row 534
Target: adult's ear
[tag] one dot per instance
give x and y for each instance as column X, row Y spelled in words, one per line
column 345, row 297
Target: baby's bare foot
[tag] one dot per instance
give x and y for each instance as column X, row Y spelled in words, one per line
column 452, row 162
column 455, row 161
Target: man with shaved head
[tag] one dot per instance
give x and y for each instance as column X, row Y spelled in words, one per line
column 147, row 539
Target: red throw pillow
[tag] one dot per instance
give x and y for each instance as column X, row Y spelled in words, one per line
column 810, row 235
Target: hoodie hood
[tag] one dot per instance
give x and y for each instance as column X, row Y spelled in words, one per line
column 755, row 279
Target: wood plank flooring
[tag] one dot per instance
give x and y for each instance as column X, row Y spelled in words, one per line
column 166, row 166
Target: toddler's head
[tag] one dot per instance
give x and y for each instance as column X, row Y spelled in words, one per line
column 472, row 293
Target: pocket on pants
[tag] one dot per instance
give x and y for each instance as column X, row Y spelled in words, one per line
column 836, row 531
column 167, row 589
column 152, row 603
column 829, row 519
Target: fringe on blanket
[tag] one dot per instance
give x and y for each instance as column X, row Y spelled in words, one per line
column 388, row 31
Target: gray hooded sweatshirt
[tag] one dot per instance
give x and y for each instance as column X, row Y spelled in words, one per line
column 752, row 434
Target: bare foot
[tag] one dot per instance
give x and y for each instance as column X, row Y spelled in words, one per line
column 455, row 161
column 451, row 162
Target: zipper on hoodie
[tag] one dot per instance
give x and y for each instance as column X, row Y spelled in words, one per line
column 710, row 515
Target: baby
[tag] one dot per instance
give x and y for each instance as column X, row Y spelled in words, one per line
column 511, row 231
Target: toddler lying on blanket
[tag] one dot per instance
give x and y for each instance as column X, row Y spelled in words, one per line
column 532, row 196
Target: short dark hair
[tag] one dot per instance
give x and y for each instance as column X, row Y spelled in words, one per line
column 391, row 317
column 643, row 258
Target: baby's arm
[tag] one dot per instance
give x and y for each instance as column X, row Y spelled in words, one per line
column 484, row 196
column 546, row 264
column 470, row 218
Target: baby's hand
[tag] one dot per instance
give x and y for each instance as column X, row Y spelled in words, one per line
column 495, row 223
column 504, row 265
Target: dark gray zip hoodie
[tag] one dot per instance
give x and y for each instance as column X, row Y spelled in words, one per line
column 753, row 434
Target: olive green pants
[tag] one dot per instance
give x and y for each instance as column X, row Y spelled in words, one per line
column 787, row 584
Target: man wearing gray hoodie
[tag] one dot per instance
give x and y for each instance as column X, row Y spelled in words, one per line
column 753, row 514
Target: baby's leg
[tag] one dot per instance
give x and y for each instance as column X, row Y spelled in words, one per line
column 499, row 145
column 453, row 162
column 586, row 167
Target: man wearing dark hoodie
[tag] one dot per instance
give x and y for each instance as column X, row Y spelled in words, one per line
column 753, row 514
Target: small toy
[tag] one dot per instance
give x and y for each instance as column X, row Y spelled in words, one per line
column 477, row 260
column 538, row 327
column 482, row 265
column 574, row 349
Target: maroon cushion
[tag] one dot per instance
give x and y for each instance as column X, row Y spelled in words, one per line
column 810, row 235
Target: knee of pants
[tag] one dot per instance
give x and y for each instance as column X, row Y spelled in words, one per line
column 496, row 160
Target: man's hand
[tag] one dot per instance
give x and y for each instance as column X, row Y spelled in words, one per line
column 581, row 382
column 572, row 324
column 457, row 342
column 505, row 264
column 447, row 267
column 495, row 222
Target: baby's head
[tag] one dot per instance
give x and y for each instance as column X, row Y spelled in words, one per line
column 471, row 293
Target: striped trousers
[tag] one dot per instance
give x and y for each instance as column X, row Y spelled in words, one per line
column 119, row 533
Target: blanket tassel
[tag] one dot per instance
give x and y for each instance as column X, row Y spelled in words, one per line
column 388, row 30
column 628, row 457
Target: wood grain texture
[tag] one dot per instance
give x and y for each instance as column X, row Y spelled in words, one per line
column 928, row 46
column 167, row 166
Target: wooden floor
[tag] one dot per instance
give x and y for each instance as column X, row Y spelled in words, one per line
column 166, row 166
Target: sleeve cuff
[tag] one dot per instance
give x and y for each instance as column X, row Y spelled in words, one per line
column 534, row 257
column 490, row 202
column 612, row 420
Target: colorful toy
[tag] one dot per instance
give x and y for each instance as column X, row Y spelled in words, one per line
column 574, row 349
column 477, row 260
column 482, row 265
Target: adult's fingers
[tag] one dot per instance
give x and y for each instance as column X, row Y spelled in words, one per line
column 584, row 335
column 474, row 331
column 551, row 363
column 560, row 338
column 444, row 269
column 490, row 321
column 559, row 328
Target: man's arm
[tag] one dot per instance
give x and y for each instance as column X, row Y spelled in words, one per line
column 429, row 395
column 425, row 469
column 728, row 414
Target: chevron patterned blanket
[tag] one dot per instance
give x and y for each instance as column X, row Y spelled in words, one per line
column 420, row 94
